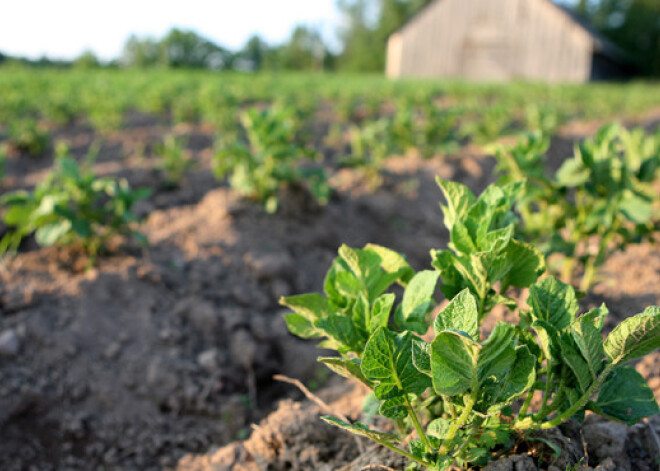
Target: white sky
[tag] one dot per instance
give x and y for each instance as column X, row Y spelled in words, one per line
column 63, row 29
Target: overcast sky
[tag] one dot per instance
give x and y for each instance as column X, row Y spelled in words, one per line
column 63, row 29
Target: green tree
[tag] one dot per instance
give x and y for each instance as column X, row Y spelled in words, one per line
column 186, row 49
column 140, row 52
column 87, row 60
column 304, row 51
column 633, row 25
column 369, row 23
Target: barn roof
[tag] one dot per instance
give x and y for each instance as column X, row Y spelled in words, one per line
column 601, row 44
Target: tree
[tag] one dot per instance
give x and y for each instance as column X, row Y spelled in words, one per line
column 86, row 60
column 365, row 41
column 304, row 51
column 633, row 25
column 254, row 54
column 140, row 52
column 186, row 49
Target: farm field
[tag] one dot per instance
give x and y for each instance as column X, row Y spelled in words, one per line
column 153, row 350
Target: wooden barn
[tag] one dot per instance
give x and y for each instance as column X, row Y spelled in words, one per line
column 500, row 40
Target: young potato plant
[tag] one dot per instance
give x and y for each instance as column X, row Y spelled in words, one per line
column 268, row 159
column 371, row 143
column 600, row 200
column 71, row 206
column 483, row 254
column 460, row 393
column 26, row 135
column 174, row 160
column 428, row 129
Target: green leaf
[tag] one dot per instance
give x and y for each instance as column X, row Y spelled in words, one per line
column 589, row 341
column 497, row 354
column 554, row 302
column 342, row 329
column 311, row 306
column 461, row 239
column 394, row 408
column 460, row 314
column 596, row 316
column 363, row 430
column 526, row 265
column 380, row 313
column 438, row 428
column 417, row 301
column 626, row 396
column 459, row 199
column 301, row 327
column 452, row 363
column 387, row 361
column 521, row 376
column 346, row 367
column 421, row 354
column 636, row 209
column 572, row 173
column 578, row 365
column 635, row 336
column 50, row 234
column 392, row 262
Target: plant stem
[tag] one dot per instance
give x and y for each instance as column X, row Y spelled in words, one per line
column 458, row 423
column 567, row 269
column 525, row 406
column 546, row 392
column 410, row 456
column 475, row 426
column 418, row 426
column 589, row 272
column 571, row 411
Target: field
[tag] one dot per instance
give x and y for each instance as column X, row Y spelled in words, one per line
column 148, row 352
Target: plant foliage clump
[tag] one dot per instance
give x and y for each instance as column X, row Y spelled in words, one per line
column 467, row 394
column 269, row 157
column 71, row 206
column 600, row 200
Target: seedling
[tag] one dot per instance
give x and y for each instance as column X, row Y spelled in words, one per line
column 174, row 160
column 28, row 136
column 371, row 143
column 71, row 206
column 268, row 159
column 459, row 393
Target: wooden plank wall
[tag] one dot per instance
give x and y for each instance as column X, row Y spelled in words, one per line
column 492, row 40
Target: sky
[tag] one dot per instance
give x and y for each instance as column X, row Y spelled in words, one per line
column 63, row 29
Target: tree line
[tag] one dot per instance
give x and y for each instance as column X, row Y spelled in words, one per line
column 632, row 25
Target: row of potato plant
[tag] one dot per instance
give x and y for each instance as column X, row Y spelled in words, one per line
column 601, row 199
column 464, row 395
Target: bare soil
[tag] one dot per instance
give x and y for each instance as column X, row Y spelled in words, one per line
column 156, row 358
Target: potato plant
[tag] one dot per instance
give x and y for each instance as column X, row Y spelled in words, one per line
column 600, row 200
column 268, row 158
column 371, row 143
column 71, row 206
column 26, row 135
column 465, row 395
column 174, row 160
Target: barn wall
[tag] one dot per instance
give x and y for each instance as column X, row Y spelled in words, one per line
column 492, row 40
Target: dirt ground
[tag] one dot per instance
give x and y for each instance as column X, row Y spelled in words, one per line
column 157, row 358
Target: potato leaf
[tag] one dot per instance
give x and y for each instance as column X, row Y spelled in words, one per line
column 362, row 430
column 625, row 396
column 417, row 301
column 460, row 314
column 554, row 302
column 453, row 363
column 634, row 337
column 387, row 361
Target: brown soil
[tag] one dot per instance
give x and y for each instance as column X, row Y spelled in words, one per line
column 157, row 356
